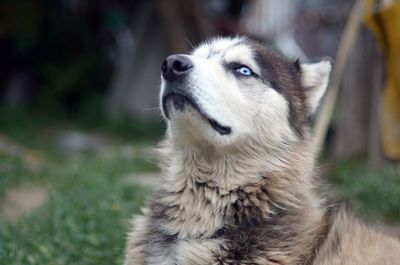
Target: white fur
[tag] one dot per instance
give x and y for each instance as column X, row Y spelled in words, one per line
column 315, row 78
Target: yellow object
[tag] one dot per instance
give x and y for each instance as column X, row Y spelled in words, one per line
column 383, row 18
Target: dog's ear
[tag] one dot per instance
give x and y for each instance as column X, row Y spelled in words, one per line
column 315, row 79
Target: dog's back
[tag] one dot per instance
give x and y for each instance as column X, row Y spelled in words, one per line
column 352, row 242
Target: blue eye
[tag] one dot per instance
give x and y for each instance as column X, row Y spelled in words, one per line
column 244, row 70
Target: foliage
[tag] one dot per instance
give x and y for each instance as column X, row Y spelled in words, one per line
column 64, row 47
column 372, row 194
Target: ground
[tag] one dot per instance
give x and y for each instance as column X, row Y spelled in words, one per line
column 74, row 207
column 74, row 211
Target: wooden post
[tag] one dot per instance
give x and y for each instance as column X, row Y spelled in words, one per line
column 345, row 46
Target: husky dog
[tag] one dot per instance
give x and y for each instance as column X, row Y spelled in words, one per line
column 238, row 170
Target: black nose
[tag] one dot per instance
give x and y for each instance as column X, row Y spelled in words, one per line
column 175, row 66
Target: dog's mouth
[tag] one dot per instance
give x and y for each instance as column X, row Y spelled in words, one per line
column 180, row 101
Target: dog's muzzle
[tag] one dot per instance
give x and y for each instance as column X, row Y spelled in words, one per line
column 175, row 69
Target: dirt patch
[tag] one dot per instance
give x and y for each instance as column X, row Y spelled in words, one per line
column 145, row 179
column 20, row 201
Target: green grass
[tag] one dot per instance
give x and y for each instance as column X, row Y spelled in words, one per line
column 374, row 195
column 12, row 172
column 85, row 219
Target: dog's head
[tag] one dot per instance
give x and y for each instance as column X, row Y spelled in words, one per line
column 231, row 90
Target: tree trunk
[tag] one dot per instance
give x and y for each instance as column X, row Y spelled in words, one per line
column 356, row 122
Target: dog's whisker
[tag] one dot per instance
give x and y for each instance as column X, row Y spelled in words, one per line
column 191, row 45
column 154, row 108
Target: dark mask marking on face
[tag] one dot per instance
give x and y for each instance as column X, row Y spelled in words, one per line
column 285, row 78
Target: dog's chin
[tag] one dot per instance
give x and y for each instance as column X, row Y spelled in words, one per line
column 177, row 105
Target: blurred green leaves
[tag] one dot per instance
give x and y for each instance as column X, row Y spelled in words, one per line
column 62, row 48
column 372, row 194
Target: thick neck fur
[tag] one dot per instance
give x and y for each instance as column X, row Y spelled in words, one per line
column 206, row 189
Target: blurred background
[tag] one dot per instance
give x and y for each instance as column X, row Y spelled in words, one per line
column 79, row 83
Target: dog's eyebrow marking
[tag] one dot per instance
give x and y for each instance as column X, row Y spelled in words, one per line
column 242, row 54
